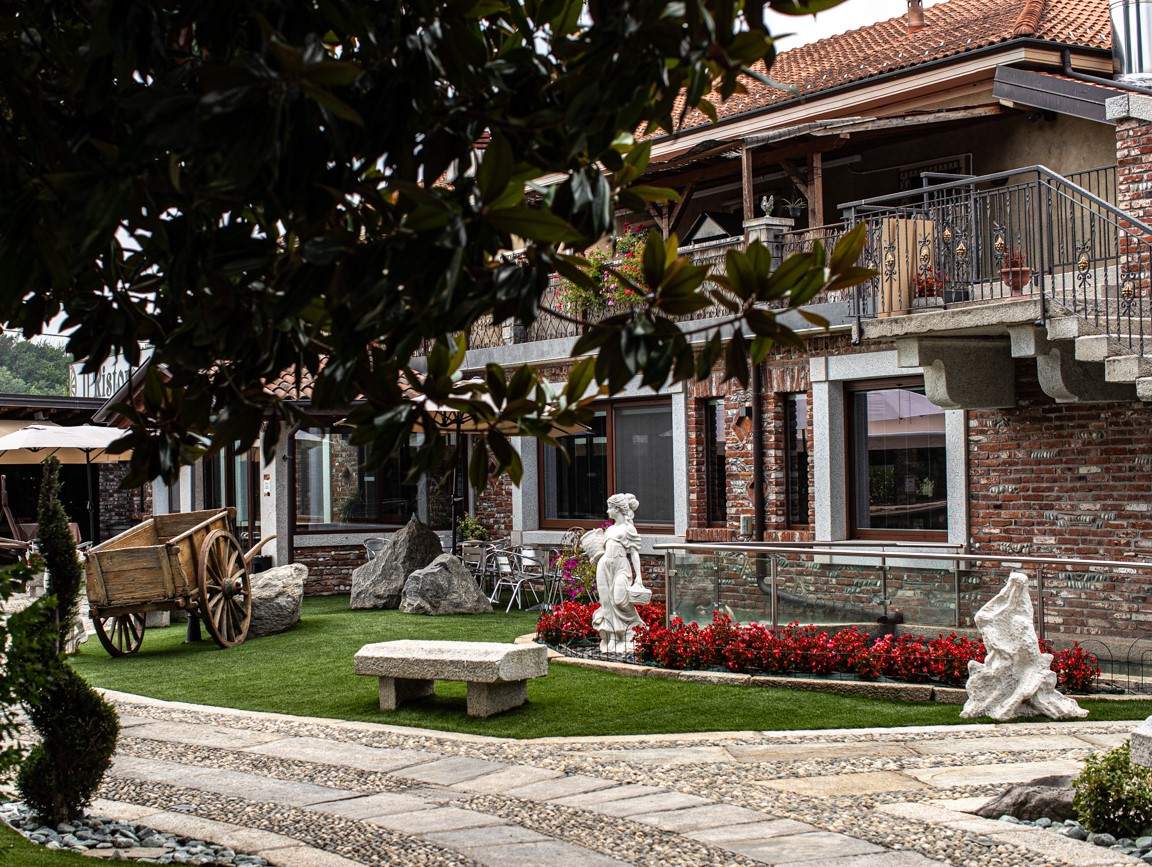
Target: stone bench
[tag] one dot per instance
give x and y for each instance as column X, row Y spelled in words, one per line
column 497, row 674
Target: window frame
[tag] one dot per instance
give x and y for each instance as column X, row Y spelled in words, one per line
column 851, row 389
column 609, row 408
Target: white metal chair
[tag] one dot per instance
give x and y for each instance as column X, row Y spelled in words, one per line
column 511, row 574
column 373, row 545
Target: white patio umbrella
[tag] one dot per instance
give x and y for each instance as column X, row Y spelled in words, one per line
column 80, row 444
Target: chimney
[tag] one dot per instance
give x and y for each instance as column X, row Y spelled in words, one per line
column 1132, row 40
column 915, row 15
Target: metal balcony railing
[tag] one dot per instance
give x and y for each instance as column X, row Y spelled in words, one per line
column 1025, row 233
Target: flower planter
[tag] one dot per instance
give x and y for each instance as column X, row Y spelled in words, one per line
column 1016, row 279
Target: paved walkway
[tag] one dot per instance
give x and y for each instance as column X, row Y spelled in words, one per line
column 317, row 793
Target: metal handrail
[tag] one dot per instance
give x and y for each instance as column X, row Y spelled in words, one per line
column 956, row 559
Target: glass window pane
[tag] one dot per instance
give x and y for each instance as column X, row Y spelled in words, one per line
column 643, row 460
column 716, row 461
column 576, row 488
column 335, row 491
column 796, row 458
column 900, row 461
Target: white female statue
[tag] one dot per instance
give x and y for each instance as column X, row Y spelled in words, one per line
column 616, row 553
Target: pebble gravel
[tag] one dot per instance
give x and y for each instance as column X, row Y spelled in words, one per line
column 727, row 781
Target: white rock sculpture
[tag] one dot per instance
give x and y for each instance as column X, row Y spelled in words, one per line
column 616, row 553
column 1015, row 679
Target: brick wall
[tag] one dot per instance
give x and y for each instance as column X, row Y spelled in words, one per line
column 120, row 510
column 1134, row 193
column 330, row 569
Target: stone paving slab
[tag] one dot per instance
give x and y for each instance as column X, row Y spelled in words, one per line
column 382, row 804
column 251, row 787
column 818, row 846
column 122, row 810
column 535, row 854
column 434, row 819
column 648, row 803
column 1106, row 741
column 451, row 770
column 841, row 785
column 547, row 790
column 667, row 755
column 808, row 752
column 765, row 830
column 599, row 798
column 700, row 818
column 499, row 782
column 305, row 856
column 978, row 775
column 883, row 859
column 343, row 754
column 200, row 735
column 1007, row 744
column 483, row 837
column 137, row 853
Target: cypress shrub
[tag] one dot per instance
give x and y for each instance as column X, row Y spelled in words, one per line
column 77, row 727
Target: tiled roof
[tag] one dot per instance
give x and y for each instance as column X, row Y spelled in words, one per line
column 289, row 386
column 952, row 28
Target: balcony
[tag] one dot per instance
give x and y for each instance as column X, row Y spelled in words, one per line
column 975, row 272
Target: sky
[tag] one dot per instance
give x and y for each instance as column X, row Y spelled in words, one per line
column 847, row 16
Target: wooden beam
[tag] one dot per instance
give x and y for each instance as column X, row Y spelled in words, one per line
column 675, row 175
column 816, row 187
column 660, row 216
column 746, row 174
column 677, row 211
column 794, row 174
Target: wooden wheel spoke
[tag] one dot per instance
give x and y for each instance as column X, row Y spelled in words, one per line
column 120, row 634
column 223, row 580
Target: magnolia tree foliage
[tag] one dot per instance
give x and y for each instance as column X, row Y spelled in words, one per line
column 261, row 186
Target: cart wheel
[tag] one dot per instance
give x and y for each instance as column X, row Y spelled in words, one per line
column 225, row 594
column 120, row 635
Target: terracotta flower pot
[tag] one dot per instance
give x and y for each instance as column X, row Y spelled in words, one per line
column 1016, row 279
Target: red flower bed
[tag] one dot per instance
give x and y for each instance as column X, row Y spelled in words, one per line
column 756, row 649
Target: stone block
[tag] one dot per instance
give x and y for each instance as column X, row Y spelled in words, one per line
column 480, row 661
column 485, row 699
column 394, row 691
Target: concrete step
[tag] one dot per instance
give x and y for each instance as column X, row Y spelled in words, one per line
column 1144, row 387
column 1126, row 368
column 1100, row 347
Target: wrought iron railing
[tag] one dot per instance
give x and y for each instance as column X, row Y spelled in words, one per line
column 1029, row 232
column 801, row 241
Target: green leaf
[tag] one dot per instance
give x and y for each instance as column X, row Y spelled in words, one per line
column 654, row 259
column 532, row 224
column 495, row 169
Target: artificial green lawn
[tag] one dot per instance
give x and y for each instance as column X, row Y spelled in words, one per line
column 17, row 851
column 307, row 671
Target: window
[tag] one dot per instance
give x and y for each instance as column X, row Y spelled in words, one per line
column 898, row 463
column 628, row 449
column 715, row 462
column 230, row 480
column 796, row 459
column 336, row 492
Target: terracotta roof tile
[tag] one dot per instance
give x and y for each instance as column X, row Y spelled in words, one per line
column 287, row 386
column 952, row 28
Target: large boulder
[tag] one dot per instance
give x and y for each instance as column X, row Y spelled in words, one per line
column 444, row 587
column 1046, row 796
column 276, row 597
column 380, row 581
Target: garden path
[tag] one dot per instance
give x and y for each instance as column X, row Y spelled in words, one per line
column 306, row 792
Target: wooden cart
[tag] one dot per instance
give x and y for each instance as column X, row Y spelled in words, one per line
column 187, row 561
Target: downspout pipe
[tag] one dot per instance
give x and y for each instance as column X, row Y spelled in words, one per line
column 1066, row 57
column 758, row 452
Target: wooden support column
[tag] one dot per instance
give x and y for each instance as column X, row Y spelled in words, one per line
column 816, row 189
column 660, row 215
column 746, row 183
